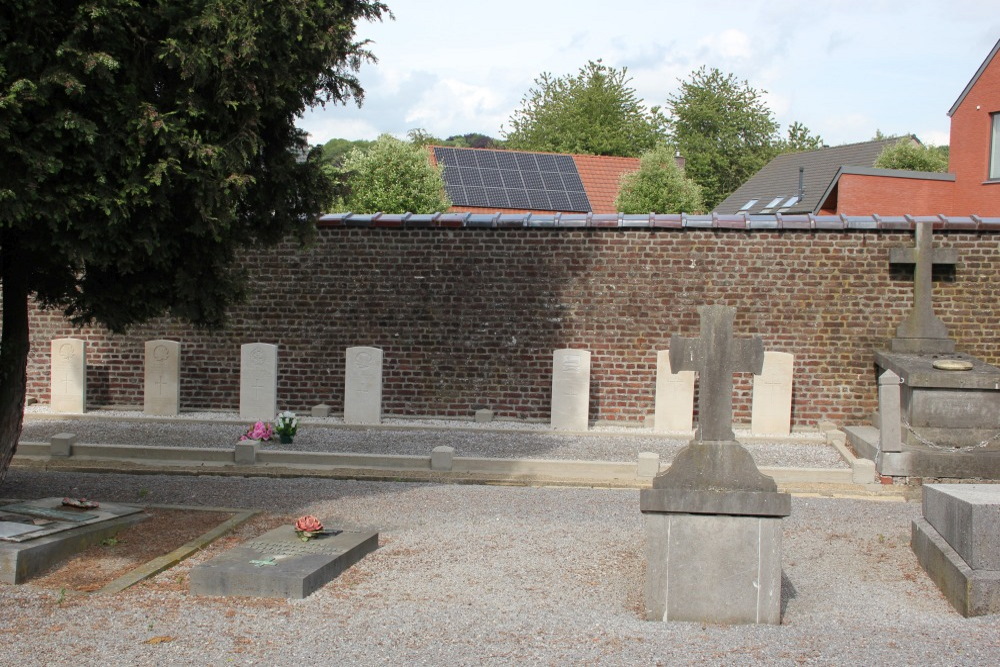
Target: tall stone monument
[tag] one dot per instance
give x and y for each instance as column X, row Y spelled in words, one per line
column 258, row 381
column 713, row 520
column 68, row 375
column 949, row 402
column 162, row 387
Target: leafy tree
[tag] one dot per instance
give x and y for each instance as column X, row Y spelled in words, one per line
column 907, row 153
column 392, row 176
column 799, row 139
column 144, row 144
column 724, row 130
column 336, row 150
column 659, row 186
column 471, row 140
column 592, row 113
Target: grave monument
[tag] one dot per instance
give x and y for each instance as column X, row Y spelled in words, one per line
column 68, row 375
column 258, row 381
column 949, row 402
column 570, row 390
column 673, row 409
column 363, row 386
column 713, row 520
column 162, row 387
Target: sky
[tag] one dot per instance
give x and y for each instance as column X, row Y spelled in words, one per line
column 844, row 68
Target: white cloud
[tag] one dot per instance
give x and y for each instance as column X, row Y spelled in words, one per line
column 456, row 107
column 730, row 44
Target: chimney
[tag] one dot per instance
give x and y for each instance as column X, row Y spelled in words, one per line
column 802, row 188
column 679, row 161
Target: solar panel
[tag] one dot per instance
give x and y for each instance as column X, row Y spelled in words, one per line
column 510, row 179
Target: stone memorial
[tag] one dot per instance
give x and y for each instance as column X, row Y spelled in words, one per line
column 958, row 544
column 162, row 387
column 68, row 385
column 37, row 534
column 279, row 565
column 771, row 411
column 570, row 390
column 363, row 386
column 674, row 403
column 712, row 519
column 949, row 402
column 258, row 381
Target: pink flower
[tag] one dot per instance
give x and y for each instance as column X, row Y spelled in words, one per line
column 259, row 431
column 308, row 524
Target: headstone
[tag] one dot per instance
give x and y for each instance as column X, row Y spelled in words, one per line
column 674, row 404
column 713, row 520
column 162, row 387
column 570, row 390
column 922, row 331
column 68, row 375
column 37, row 534
column 957, row 542
column 258, row 381
column 771, row 412
column 279, row 565
column 363, row 386
column 890, row 429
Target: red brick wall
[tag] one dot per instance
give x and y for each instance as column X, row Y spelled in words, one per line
column 969, row 146
column 469, row 318
column 861, row 194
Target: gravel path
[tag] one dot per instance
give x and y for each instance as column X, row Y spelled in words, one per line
column 470, row 575
column 411, row 437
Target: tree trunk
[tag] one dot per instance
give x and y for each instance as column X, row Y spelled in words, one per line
column 13, row 351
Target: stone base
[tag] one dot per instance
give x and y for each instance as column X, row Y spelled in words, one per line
column 971, row 592
column 31, row 555
column 918, row 460
column 280, row 565
column 713, row 568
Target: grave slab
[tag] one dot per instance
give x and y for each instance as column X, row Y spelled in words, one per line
column 363, row 386
column 280, row 565
column 58, row 533
column 162, row 386
column 258, row 381
column 968, row 517
column 68, row 375
column 570, row 390
column 771, row 412
column 674, row 405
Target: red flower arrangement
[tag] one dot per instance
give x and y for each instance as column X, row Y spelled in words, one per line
column 307, row 527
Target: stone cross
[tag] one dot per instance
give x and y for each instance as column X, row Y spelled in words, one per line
column 922, row 323
column 716, row 355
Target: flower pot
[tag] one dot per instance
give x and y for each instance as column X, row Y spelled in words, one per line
column 285, row 439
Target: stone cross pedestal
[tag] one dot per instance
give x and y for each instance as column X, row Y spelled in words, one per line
column 922, row 332
column 713, row 520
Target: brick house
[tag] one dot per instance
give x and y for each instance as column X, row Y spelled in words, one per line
column 855, row 187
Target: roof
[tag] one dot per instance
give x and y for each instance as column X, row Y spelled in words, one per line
column 975, row 78
column 775, row 188
column 489, row 180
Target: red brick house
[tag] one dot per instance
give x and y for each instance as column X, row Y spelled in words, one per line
column 971, row 186
column 480, row 180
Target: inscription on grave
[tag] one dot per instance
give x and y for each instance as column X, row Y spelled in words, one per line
column 258, row 381
column 162, row 389
column 68, row 385
column 570, row 390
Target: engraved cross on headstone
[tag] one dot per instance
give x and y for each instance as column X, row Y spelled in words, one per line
column 922, row 323
column 716, row 355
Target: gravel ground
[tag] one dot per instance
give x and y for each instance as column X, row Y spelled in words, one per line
column 469, row 575
column 413, row 437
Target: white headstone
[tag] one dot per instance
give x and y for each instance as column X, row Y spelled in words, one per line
column 771, row 413
column 674, row 406
column 363, row 386
column 68, row 385
column 258, row 381
column 162, row 388
column 570, row 390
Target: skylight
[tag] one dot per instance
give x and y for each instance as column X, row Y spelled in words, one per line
column 748, row 205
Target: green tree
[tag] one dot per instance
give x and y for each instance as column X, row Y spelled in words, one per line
column 144, row 144
column 800, row 139
column 595, row 112
column 724, row 130
column 335, row 151
column 910, row 154
column 393, row 176
column 659, row 186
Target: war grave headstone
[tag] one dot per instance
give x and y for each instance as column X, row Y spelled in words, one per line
column 712, row 519
column 162, row 387
column 949, row 402
column 958, row 544
column 279, row 565
column 68, row 375
column 363, row 386
column 570, row 390
column 37, row 534
column 673, row 410
column 771, row 410
column 258, row 381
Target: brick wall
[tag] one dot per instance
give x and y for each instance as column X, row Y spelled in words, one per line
column 469, row 318
column 860, row 194
column 970, row 144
